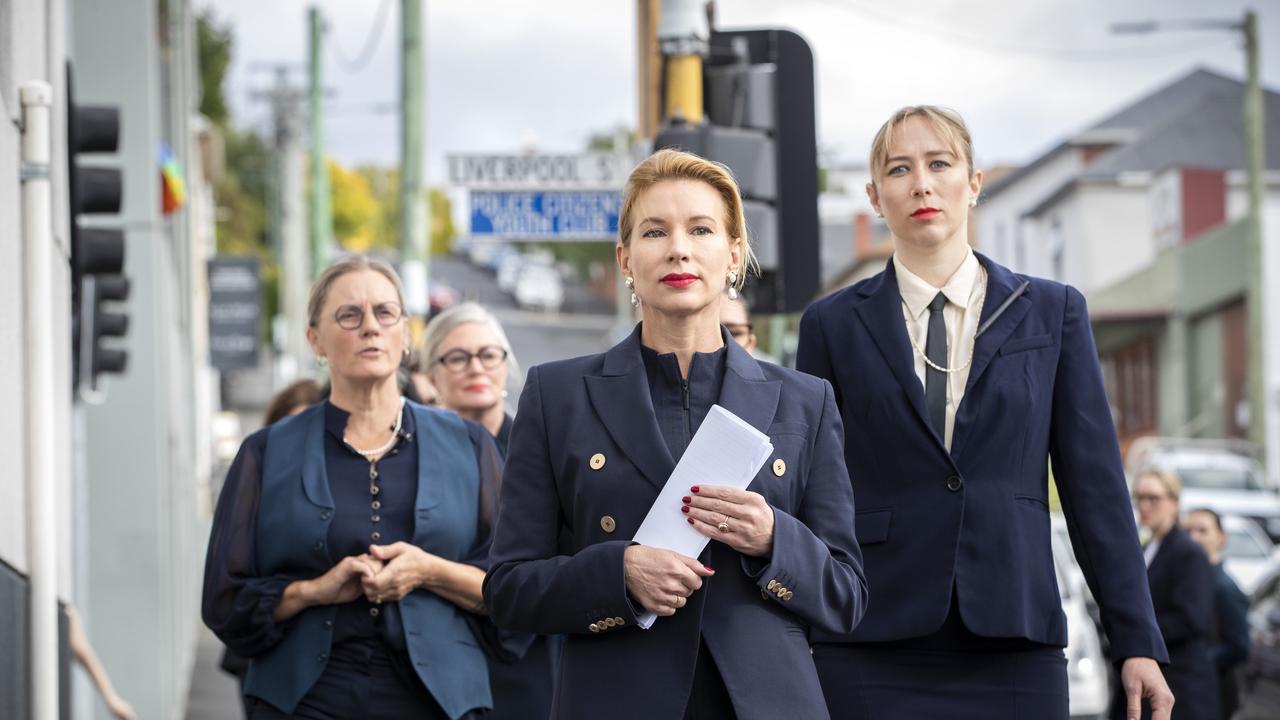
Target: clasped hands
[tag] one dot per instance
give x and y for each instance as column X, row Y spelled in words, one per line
column 384, row 574
column 662, row 580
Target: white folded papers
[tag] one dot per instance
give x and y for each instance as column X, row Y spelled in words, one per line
column 725, row 451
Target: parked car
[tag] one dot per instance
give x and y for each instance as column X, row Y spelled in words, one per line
column 481, row 252
column 1223, row 475
column 509, row 271
column 1249, row 552
column 540, row 287
column 1260, row 677
column 1088, row 679
column 442, row 297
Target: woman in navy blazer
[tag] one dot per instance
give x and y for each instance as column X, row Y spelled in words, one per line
column 596, row 437
column 1182, row 592
column 958, row 381
column 350, row 540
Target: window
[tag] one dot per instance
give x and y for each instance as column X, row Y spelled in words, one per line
column 1130, row 377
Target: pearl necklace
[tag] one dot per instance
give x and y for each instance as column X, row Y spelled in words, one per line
column 972, row 346
column 370, row 455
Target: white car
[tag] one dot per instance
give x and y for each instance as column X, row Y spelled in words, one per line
column 539, row 286
column 1249, row 552
column 1088, row 682
column 509, row 271
column 1222, row 475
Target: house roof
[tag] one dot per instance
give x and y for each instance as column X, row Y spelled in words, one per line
column 1193, row 121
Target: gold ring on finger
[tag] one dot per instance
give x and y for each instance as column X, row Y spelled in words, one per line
column 723, row 526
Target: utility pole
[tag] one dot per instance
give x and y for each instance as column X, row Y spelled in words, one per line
column 287, row 212
column 415, row 231
column 1262, row 388
column 1258, row 337
column 321, row 225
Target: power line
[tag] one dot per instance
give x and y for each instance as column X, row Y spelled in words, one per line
column 996, row 47
column 370, row 44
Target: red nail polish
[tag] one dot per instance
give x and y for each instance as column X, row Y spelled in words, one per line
column 694, row 488
column 690, row 520
column 686, row 500
column 684, row 509
column 709, row 568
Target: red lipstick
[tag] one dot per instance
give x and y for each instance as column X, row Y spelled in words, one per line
column 925, row 213
column 679, row 280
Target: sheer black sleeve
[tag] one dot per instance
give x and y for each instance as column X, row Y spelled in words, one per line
column 238, row 603
column 489, row 462
column 502, row 645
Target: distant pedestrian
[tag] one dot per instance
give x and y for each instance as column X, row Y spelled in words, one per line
column 1229, row 642
column 350, row 540
column 1182, row 594
column 736, row 318
column 468, row 360
column 596, row 437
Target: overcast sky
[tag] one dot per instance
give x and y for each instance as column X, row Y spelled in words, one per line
column 503, row 75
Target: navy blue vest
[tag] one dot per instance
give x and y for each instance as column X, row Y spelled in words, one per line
column 293, row 524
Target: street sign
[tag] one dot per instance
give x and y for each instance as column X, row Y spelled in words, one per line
column 545, row 215
column 235, row 306
column 594, row 171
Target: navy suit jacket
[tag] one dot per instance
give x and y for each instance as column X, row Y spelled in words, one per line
column 977, row 518
column 565, row 522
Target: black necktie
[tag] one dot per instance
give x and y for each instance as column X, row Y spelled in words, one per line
column 935, row 382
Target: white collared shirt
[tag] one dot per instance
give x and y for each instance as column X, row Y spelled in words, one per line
column 965, row 292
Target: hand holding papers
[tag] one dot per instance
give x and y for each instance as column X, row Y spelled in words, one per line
column 726, row 450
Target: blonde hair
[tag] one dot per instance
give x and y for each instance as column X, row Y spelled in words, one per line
column 449, row 320
column 944, row 121
column 1168, row 478
column 679, row 165
column 354, row 263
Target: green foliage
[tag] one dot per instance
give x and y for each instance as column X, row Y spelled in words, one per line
column 214, row 44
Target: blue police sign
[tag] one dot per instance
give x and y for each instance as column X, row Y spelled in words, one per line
column 550, row 215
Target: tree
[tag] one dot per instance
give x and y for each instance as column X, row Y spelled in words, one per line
column 356, row 211
column 214, row 43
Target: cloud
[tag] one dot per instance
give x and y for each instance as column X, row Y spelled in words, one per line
column 499, row 73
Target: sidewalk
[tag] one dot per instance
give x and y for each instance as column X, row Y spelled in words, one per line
column 214, row 694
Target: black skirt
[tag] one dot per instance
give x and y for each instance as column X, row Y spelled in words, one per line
column 952, row 674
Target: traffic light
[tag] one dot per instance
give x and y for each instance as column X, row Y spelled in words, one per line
column 759, row 102
column 97, row 252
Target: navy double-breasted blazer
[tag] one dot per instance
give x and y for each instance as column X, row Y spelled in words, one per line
column 977, row 518
column 566, row 519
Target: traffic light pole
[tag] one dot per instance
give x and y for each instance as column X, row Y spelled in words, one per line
column 42, row 536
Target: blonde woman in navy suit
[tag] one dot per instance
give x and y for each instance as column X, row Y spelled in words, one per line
column 596, row 437
column 959, row 381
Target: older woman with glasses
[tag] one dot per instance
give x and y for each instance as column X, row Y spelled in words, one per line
column 468, row 359
column 350, row 540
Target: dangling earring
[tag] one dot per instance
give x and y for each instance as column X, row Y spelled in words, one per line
column 322, row 361
column 731, row 285
column 631, row 285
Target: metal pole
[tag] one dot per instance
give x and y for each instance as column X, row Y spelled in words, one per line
column 321, row 214
column 294, row 275
column 415, row 235
column 1254, row 153
column 42, row 529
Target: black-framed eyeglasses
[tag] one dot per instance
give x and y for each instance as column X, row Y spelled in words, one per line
column 490, row 357
column 739, row 330
column 1141, row 499
column 351, row 317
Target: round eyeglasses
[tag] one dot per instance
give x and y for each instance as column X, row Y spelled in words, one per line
column 490, row 357
column 351, row 317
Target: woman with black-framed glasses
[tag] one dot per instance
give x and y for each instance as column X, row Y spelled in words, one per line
column 350, row 540
column 468, row 359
